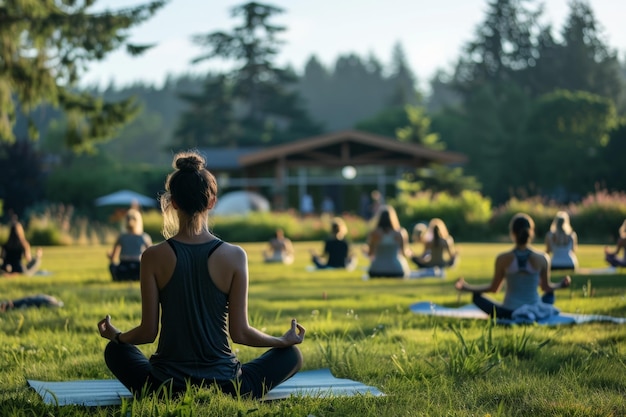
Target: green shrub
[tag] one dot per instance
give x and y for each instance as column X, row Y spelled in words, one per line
column 153, row 224
column 260, row 227
column 466, row 216
column 599, row 216
column 48, row 235
column 542, row 215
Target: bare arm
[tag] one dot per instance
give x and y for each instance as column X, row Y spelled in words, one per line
column 404, row 243
column 239, row 328
column 148, row 329
column 548, row 244
column 544, row 277
column 115, row 251
column 574, row 237
column 493, row 286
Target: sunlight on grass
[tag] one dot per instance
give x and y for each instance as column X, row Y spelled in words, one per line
column 360, row 329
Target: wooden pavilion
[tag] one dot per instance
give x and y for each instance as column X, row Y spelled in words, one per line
column 331, row 162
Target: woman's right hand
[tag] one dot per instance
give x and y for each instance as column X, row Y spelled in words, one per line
column 295, row 335
column 460, row 284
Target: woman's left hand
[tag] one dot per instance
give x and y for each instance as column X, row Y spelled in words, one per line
column 295, row 335
column 107, row 330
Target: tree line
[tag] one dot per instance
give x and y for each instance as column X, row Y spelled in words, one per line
column 536, row 113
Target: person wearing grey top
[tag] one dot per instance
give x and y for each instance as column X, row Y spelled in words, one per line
column 523, row 268
column 197, row 286
column 128, row 249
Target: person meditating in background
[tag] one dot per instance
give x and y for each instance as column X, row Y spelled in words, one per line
column 15, row 250
column 561, row 243
column 128, row 249
column 388, row 246
column 336, row 248
column 196, row 286
column 612, row 256
column 280, row 249
column 439, row 248
column 524, row 269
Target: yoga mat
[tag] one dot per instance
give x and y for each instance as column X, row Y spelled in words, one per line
column 470, row 311
column 428, row 273
column 317, row 383
column 597, row 271
column 415, row 274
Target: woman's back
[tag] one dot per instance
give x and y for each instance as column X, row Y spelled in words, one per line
column 522, row 278
column 388, row 257
column 194, row 339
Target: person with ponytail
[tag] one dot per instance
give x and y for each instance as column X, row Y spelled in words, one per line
column 196, row 287
column 524, row 269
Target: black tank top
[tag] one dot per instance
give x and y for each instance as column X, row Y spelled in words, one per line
column 193, row 342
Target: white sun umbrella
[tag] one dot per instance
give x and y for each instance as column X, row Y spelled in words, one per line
column 240, row 202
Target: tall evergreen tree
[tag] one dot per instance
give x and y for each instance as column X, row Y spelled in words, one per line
column 209, row 121
column 597, row 68
column 504, row 48
column 44, row 48
column 269, row 108
column 403, row 81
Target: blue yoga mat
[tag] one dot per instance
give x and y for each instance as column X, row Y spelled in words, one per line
column 471, row 311
column 105, row 392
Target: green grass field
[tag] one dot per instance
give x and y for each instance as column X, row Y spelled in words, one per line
column 360, row 329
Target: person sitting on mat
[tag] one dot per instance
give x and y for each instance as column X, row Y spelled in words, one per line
column 280, row 249
column 336, row 248
column 561, row 243
column 388, row 246
column 418, row 237
column 16, row 249
column 128, row 249
column 196, row 287
column 524, row 269
column 612, row 256
column 439, row 248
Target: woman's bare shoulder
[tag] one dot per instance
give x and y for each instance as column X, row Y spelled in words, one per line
column 158, row 249
column 231, row 250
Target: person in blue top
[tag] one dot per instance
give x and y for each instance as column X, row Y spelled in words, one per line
column 196, row 286
column 524, row 269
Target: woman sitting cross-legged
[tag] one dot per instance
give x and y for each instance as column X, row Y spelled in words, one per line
column 194, row 286
column 524, row 269
column 388, row 246
column 128, row 248
column 280, row 249
column 561, row 243
column 336, row 248
column 439, row 248
column 611, row 256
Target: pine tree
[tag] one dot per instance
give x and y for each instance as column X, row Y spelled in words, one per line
column 45, row 47
column 267, row 108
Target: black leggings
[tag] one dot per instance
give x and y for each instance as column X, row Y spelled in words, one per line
column 490, row 307
column 258, row 376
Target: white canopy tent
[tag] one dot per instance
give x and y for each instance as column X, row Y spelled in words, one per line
column 240, row 202
column 126, row 198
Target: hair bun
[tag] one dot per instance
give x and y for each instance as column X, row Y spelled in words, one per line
column 189, row 162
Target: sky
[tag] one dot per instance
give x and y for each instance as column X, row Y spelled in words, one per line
column 431, row 32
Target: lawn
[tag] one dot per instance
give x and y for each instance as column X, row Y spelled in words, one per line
column 360, row 329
